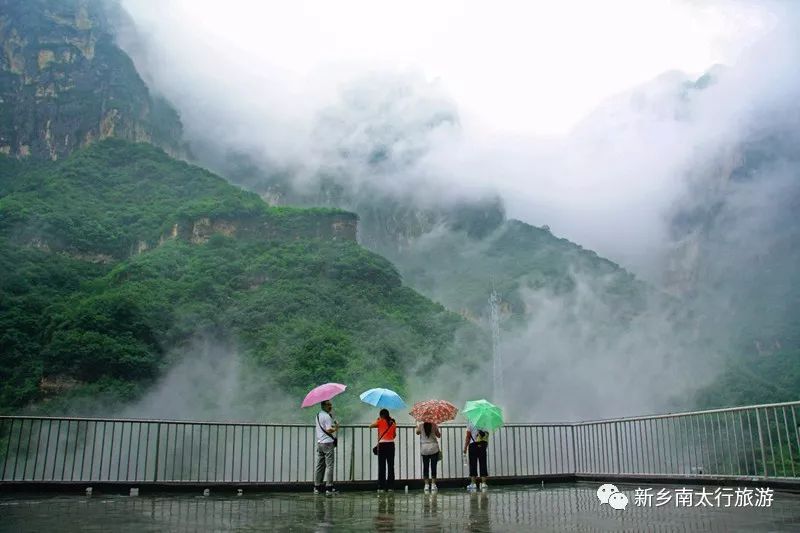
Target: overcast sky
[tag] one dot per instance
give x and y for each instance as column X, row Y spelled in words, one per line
column 527, row 67
column 576, row 113
column 523, row 76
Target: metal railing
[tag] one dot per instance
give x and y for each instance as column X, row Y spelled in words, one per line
column 84, row 449
column 756, row 441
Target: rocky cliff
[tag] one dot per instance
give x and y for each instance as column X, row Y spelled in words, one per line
column 124, row 198
column 328, row 226
column 64, row 83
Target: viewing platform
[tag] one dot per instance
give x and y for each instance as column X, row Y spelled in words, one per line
column 542, row 475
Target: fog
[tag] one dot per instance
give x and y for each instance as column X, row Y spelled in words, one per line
column 590, row 118
column 555, row 112
column 209, row 380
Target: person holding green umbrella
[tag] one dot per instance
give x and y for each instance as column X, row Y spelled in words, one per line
column 483, row 417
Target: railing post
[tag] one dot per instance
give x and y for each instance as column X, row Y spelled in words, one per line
column 514, row 449
column 574, row 450
column 8, row 450
column 761, row 443
column 158, row 444
column 617, row 447
column 352, row 454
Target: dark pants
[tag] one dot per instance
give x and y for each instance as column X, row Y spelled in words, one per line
column 429, row 463
column 386, row 464
column 477, row 456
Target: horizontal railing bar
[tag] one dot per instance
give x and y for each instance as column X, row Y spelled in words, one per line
column 686, row 413
column 364, row 425
column 152, row 421
column 252, row 424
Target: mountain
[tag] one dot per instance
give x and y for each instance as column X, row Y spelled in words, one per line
column 732, row 232
column 126, row 268
column 567, row 321
column 736, row 254
column 121, row 260
column 142, row 280
column 371, row 149
column 726, row 301
column 64, row 82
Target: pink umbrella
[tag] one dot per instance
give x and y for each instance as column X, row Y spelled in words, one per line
column 322, row 393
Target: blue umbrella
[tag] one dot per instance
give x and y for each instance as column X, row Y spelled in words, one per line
column 383, row 398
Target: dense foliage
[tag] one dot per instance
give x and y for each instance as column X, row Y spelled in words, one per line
column 112, row 263
column 307, row 310
column 461, row 271
column 106, row 199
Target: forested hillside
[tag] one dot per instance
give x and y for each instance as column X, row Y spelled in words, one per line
column 119, row 257
column 363, row 256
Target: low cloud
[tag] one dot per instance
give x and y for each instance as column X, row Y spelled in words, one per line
column 645, row 157
column 210, row 380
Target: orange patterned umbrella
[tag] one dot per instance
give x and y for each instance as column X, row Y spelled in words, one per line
column 435, row 411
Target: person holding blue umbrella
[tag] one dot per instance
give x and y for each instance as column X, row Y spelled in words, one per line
column 387, row 431
column 383, row 398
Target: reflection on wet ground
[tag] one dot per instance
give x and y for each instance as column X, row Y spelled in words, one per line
column 512, row 508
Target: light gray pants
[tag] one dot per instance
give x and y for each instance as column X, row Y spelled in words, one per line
column 326, row 462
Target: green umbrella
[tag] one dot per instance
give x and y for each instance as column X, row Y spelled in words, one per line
column 483, row 414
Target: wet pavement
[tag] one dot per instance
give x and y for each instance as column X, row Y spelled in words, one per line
column 567, row 507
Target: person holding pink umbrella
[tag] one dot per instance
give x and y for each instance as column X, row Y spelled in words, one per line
column 326, row 449
column 325, row 435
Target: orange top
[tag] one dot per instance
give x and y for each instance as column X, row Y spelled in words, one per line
column 388, row 436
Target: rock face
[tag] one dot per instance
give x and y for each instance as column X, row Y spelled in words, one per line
column 340, row 226
column 329, row 226
column 64, row 83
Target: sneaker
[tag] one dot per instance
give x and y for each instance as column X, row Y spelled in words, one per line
column 484, row 487
column 427, row 488
column 316, row 489
column 434, row 488
column 330, row 491
column 380, row 491
column 472, row 487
